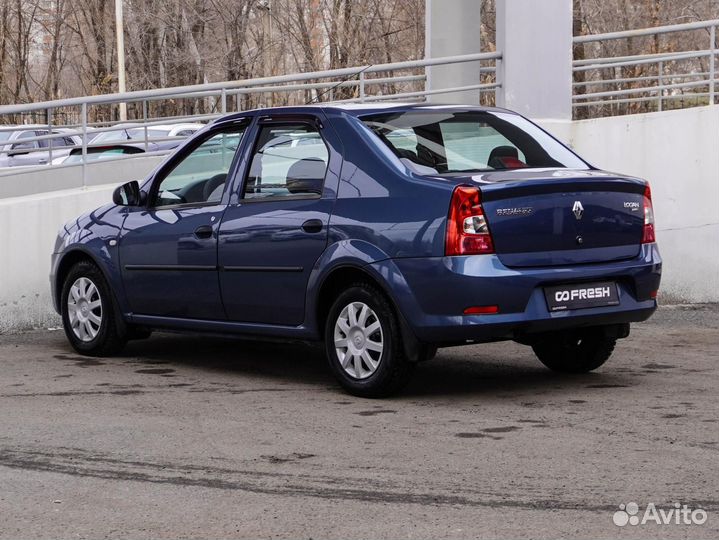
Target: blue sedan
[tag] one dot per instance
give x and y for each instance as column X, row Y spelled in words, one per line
column 384, row 231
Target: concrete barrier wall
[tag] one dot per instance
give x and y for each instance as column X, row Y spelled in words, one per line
column 21, row 181
column 677, row 151
column 34, row 204
column 30, row 225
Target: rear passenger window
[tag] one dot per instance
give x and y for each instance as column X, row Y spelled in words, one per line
column 60, row 142
column 289, row 160
column 45, row 142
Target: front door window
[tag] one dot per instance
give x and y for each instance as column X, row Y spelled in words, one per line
column 201, row 176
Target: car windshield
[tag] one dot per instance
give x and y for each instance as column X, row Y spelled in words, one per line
column 442, row 142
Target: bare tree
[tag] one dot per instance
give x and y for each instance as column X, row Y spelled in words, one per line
column 58, row 48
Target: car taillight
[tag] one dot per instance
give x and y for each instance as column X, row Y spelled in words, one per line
column 467, row 229
column 648, row 236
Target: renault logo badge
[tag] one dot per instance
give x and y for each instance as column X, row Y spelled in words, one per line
column 578, row 209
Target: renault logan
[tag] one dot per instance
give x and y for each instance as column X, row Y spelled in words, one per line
column 384, row 231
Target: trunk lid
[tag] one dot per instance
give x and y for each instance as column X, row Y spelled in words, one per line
column 554, row 217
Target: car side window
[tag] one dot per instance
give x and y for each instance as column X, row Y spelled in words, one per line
column 59, row 142
column 201, row 175
column 289, row 160
column 26, row 145
column 45, row 143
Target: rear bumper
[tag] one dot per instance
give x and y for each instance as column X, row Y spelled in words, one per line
column 432, row 294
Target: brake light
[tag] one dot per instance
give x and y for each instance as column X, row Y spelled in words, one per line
column 648, row 236
column 467, row 229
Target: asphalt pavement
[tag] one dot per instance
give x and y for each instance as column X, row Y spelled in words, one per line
column 194, row 437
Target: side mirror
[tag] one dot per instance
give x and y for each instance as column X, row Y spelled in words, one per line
column 127, row 194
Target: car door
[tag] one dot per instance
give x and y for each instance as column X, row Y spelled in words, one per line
column 168, row 249
column 271, row 238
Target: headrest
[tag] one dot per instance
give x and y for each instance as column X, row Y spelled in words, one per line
column 306, row 176
column 505, row 157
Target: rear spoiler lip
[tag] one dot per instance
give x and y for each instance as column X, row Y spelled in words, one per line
column 543, row 186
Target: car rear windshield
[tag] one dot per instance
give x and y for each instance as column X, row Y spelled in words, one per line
column 441, row 142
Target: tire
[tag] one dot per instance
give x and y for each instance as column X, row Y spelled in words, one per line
column 575, row 351
column 83, row 287
column 357, row 364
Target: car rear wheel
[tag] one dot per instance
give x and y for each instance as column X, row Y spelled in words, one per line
column 575, row 351
column 364, row 345
column 88, row 314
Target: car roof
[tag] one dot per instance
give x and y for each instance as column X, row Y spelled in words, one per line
column 23, row 127
column 361, row 109
column 176, row 126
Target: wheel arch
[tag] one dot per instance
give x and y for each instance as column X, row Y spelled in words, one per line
column 344, row 275
column 70, row 258
column 66, row 262
column 334, row 282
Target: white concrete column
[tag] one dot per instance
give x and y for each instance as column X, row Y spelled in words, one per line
column 535, row 39
column 451, row 28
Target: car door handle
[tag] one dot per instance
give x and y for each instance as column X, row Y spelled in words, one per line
column 312, row 226
column 205, row 231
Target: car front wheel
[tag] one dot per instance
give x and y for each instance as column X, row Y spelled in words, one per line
column 364, row 345
column 88, row 314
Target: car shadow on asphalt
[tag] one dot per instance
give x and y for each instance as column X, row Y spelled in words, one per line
column 282, row 361
column 491, row 375
column 469, row 370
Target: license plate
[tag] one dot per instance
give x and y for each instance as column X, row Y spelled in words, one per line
column 581, row 296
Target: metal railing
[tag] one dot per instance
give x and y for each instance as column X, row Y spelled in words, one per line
column 606, row 82
column 84, row 116
column 609, row 84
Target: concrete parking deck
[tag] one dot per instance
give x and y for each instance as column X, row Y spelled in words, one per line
column 198, row 437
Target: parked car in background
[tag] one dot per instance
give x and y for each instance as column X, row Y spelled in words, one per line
column 385, row 230
column 131, row 140
column 98, row 153
column 136, row 132
column 16, row 151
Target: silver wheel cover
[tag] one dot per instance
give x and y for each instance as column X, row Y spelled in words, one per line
column 84, row 309
column 359, row 341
